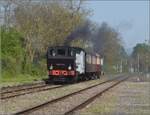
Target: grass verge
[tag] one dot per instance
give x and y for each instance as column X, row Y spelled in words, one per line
column 19, row 79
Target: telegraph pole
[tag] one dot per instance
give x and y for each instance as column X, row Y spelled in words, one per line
column 121, row 66
column 138, row 63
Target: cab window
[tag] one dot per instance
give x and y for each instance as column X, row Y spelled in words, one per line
column 61, row 52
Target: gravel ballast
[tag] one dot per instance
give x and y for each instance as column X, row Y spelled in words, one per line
column 19, row 103
column 63, row 106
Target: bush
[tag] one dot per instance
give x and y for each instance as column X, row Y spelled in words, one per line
column 11, row 52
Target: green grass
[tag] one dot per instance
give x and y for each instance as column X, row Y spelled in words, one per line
column 19, row 79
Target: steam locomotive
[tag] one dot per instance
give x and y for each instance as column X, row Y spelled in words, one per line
column 70, row 64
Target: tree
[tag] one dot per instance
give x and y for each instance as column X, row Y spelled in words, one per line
column 140, row 57
column 108, row 43
column 46, row 24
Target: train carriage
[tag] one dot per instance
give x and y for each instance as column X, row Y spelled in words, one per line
column 71, row 64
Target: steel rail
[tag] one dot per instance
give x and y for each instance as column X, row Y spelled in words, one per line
column 21, row 89
column 27, row 111
column 38, row 90
column 28, row 88
column 22, row 85
column 85, row 103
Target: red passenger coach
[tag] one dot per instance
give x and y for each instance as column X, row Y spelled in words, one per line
column 71, row 64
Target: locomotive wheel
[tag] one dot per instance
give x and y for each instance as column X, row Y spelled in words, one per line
column 92, row 77
column 86, row 78
column 95, row 76
column 98, row 76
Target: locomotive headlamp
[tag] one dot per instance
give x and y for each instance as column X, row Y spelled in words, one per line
column 51, row 67
column 69, row 67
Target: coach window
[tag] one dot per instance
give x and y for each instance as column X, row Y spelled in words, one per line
column 98, row 60
column 93, row 60
column 88, row 59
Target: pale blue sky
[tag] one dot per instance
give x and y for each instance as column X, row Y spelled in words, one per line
column 130, row 18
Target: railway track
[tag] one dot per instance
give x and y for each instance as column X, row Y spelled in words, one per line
column 11, row 88
column 27, row 90
column 9, row 92
column 85, row 103
column 21, row 88
column 108, row 85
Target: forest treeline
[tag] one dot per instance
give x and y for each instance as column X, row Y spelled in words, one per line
column 31, row 27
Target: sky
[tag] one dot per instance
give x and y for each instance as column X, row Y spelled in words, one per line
column 130, row 18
